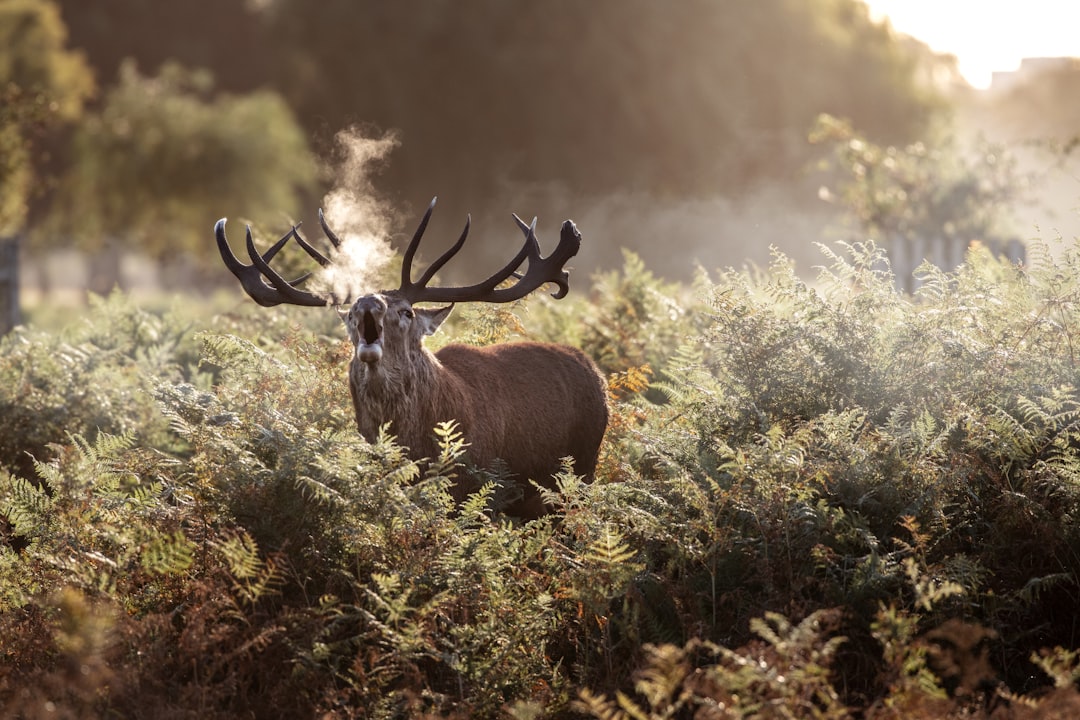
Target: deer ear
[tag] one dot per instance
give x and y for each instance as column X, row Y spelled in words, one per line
column 430, row 320
column 344, row 315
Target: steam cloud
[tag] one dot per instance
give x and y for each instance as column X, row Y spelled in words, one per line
column 359, row 218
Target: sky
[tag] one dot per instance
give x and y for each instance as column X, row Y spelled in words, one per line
column 988, row 35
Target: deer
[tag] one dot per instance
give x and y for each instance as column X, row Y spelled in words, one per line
column 521, row 407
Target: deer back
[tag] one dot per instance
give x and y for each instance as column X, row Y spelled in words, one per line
column 528, row 404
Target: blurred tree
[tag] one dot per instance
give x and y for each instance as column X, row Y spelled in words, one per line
column 154, row 168
column 922, row 201
column 223, row 35
column 544, row 107
column 1042, row 102
column 1036, row 111
column 42, row 84
column 496, row 98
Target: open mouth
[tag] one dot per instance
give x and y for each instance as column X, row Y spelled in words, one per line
column 369, row 350
column 371, row 329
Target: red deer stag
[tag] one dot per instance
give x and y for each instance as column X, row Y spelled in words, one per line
column 527, row 404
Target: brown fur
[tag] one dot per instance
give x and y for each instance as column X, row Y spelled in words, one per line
column 527, row 404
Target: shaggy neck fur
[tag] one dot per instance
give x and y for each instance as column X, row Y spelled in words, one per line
column 401, row 394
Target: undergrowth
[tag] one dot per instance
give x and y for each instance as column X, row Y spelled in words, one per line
column 821, row 499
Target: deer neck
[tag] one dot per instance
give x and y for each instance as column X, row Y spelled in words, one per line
column 397, row 393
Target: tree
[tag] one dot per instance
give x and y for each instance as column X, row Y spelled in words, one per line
column 550, row 108
column 165, row 157
column 496, row 101
column 225, row 36
column 42, row 84
column 1042, row 102
column 923, row 201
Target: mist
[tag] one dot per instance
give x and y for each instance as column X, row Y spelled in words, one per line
column 358, row 215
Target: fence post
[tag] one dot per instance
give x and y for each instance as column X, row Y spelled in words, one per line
column 10, row 315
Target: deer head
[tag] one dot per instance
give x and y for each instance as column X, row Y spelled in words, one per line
column 388, row 319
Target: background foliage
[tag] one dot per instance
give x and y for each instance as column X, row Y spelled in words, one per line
column 162, row 152
column 498, row 106
column 41, row 83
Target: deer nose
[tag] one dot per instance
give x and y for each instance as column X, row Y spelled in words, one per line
column 370, row 303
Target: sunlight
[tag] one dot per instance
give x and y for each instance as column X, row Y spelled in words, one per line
column 987, row 37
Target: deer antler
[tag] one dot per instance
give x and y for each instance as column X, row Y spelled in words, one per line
column 279, row 290
column 540, row 271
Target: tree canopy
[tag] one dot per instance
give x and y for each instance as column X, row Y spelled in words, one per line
column 504, row 105
column 691, row 97
column 165, row 153
column 42, row 82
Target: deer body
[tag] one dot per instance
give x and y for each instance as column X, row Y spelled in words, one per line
column 528, row 405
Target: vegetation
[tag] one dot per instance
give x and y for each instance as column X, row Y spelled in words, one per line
column 815, row 499
column 937, row 190
column 540, row 109
column 828, row 500
column 42, row 83
column 154, row 168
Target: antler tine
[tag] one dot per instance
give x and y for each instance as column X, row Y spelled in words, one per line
column 525, row 228
column 442, row 259
column 329, row 233
column 529, row 251
column 410, row 251
column 288, row 290
column 252, row 276
column 308, row 248
column 540, row 270
column 569, row 244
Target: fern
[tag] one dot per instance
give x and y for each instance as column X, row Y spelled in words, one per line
column 1061, row 665
column 632, row 381
column 168, row 554
column 253, row 577
column 791, row 671
column 25, row 505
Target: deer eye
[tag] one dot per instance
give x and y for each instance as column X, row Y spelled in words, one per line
column 407, row 313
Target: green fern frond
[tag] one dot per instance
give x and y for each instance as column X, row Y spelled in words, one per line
column 609, row 552
column 317, row 491
column 232, row 351
column 168, row 554
column 929, row 590
column 105, row 446
column 676, row 393
column 661, row 681
column 241, row 555
column 25, row 505
column 253, row 577
column 1035, row 587
column 473, row 512
column 604, row 708
column 452, row 447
